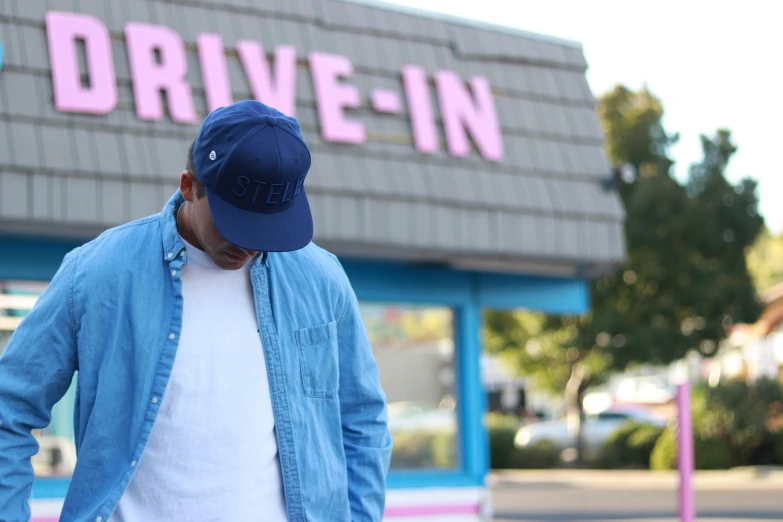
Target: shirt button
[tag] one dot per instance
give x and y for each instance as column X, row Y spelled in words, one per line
column 182, row 253
column 98, row 519
column 154, row 400
column 169, row 256
column 133, row 464
column 174, row 273
column 172, row 336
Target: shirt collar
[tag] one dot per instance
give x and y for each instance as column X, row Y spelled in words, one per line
column 172, row 243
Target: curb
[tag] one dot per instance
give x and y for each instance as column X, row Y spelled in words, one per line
column 645, row 519
column 739, row 478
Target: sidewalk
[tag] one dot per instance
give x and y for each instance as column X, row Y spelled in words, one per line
column 644, row 519
column 740, row 495
column 736, row 479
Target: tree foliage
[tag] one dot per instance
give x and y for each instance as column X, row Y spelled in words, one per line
column 685, row 280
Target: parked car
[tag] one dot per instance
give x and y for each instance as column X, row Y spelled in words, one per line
column 596, row 430
column 419, row 416
column 645, row 389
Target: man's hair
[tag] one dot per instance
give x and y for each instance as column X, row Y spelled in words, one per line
column 191, row 167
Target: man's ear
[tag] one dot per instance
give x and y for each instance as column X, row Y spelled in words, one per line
column 186, row 186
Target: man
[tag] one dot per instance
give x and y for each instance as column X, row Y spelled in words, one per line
column 224, row 372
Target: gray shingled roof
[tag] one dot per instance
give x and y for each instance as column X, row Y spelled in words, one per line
column 542, row 209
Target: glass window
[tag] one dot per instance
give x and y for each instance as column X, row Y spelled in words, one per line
column 414, row 349
column 57, row 454
column 16, row 300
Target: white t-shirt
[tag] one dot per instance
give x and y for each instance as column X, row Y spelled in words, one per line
column 212, row 454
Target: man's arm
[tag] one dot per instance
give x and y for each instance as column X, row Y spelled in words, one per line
column 366, row 437
column 36, row 369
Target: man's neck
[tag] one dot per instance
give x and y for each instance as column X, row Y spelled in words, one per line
column 183, row 225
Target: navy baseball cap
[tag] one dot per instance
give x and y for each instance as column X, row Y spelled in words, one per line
column 253, row 161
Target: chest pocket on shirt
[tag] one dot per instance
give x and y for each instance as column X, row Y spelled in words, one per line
column 318, row 360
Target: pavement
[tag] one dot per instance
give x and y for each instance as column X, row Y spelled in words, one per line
column 745, row 494
column 737, row 478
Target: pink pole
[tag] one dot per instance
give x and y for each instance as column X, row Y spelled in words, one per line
column 685, row 453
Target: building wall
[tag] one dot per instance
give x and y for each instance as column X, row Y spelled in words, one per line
column 542, row 208
column 413, row 375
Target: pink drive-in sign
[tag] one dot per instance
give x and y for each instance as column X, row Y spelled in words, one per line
column 333, row 97
column 425, row 133
column 279, row 92
column 460, row 115
column 63, row 29
column 158, row 63
column 150, row 77
column 212, row 58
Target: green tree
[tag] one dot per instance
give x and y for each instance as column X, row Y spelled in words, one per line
column 685, row 279
column 724, row 225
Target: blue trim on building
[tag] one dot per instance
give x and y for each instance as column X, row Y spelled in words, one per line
column 550, row 295
column 32, row 259
column 375, row 281
column 432, row 479
column 50, row 488
column 471, row 399
column 465, row 292
column 414, row 284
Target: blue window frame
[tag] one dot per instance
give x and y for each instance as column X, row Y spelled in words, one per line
column 466, row 293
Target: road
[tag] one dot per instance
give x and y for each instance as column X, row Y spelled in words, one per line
column 576, row 496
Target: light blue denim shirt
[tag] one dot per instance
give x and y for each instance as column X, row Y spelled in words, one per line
column 113, row 312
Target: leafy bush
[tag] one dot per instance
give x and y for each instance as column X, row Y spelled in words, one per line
column 746, row 417
column 504, row 455
column 541, row 455
column 708, row 453
column 501, row 432
column 444, row 450
column 630, row 447
column 421, row 449
column 412, row 451
column 779, row 446
column 736, row 423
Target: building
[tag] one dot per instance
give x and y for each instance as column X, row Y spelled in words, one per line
column 456, row 166
column 754, row 351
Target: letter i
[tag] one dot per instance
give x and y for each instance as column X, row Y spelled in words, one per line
column 425, row 134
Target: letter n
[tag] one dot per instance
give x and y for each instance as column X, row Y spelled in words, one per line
column 461, row 114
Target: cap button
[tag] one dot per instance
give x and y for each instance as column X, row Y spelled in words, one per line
column 271, row 120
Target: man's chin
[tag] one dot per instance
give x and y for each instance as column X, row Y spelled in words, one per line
column 229, row 262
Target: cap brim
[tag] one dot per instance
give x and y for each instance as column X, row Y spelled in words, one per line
column 284, row 231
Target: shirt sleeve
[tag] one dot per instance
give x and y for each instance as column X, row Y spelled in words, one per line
column 366, row 438
column 36, row 370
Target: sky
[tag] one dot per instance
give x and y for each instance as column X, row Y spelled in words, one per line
column 714, row 64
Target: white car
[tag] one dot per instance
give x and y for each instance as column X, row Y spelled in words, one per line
column 596, row 429
column 645, row 389
column 418, row 416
